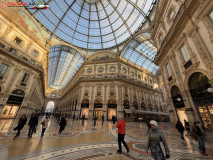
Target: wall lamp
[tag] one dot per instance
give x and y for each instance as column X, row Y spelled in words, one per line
column 210, row 90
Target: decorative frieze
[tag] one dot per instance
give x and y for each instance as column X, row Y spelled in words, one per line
column 204, row 53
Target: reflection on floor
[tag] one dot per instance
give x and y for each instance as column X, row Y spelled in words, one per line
column 89, row 142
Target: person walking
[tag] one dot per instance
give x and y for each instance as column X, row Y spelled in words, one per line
column 83, row 117
column 33, row 122
column 148, row 125
column 187, row 128
column 121, row 125
column 180, row 128
column 22, row 121
column 76, row 117
column 102, row 119
column 95, row 118
column 73, row 116
column 199, row 135
column 157, row 143
column 59, row 116
column 62, row 124
column 113, row 119
column 44, row 124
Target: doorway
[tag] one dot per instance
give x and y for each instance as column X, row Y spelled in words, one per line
column 98, row 113
column 182, row 115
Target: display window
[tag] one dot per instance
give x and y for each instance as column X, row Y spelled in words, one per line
column 84, row 111
column 9, row 111
column 111, row 112
column 206, row 113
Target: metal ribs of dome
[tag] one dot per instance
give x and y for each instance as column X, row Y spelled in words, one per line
column 97, row 24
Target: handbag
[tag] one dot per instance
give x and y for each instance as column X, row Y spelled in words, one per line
column 163, row 148
column 43, row 123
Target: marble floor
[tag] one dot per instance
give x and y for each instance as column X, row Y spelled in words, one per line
column 86, row 142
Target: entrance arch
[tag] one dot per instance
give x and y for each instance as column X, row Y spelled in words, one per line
column 50, row 107
column 13, row 104
column 98, row 109
column 178, row 104
column 198, row 85
column 112, row 109
column 85, row 108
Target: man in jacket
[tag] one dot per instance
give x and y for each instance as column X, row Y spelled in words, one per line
column 180, row 128
column 32, row 124
column 148, row 125
column 199, row 135
column 121, row 125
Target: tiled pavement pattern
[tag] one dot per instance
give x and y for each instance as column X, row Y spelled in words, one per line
column 86, row 142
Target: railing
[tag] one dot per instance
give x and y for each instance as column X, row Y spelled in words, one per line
column 172, row 27
column 14, row 52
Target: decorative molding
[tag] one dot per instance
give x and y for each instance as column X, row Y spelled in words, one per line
column 169, row 20
column 13, row 37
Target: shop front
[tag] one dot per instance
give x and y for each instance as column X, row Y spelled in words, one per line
column 85, row 108
column 112, row 109
column 199, row 85
column 97, row 109
column 127, row 112
column 13, row 104
column 142, row 116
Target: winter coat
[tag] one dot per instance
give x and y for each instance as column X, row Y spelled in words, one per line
column 33, row 121
column 46, row 121
column 194, row 132
column 180, row 127
column 63, row 123
column 121, row 125
column 102, row 117
column 156, row 136
column 21, row 123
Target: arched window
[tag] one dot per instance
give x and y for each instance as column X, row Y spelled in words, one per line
column 175, row 91
column 53, row 94
column 98, row 101
column 198, row 85
column 177, row 97
column 135, row 105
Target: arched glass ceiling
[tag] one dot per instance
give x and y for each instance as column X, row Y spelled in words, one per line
column 141, row 51
column 64, row 61
column 93, row 24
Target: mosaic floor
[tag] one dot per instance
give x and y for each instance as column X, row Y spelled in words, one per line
column 86, row 142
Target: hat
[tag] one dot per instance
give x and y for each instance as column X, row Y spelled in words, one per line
column 154, row 123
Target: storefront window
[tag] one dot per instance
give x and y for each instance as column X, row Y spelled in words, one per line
column 111, row 112
column 9, row 111
column 84, row 111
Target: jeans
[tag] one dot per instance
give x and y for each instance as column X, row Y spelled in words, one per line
column 121, row 139
column 181, row 135
column 31, row 130
column 42, row 132
column 201, row 146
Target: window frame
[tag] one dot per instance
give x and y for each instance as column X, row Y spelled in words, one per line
column 15, row 40
column 5, row 70
column 181, row 54
column 208, row 19
column 36, row 52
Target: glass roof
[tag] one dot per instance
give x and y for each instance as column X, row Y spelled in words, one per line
column 93, row 24
column 64, row 61
column 141, row 51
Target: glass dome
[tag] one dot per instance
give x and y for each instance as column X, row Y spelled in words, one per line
column 64, row 61
column 93, row 24
column 141, row 52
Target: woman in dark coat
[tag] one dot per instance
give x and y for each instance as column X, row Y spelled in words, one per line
column 62, row 124
column 22, row 121
column 157, row 143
